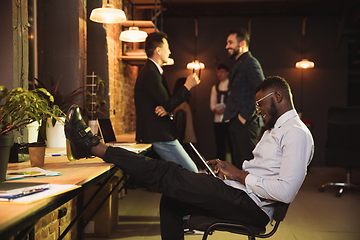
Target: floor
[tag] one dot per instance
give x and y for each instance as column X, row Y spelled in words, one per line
column 312, row 215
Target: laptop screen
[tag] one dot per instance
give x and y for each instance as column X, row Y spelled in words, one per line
column 106, row 130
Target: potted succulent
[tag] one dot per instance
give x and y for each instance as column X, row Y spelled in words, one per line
column 18, row 108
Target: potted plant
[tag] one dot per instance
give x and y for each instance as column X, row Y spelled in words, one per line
column 53, row 130
column 18, row 108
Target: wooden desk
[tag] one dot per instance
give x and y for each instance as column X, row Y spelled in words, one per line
column 84, row 172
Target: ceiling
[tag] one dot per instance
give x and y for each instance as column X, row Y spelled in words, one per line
column 348, row 11
column 251, row 7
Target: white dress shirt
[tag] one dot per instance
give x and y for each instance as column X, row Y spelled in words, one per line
column 280, row 163
column 223, row 86
column 158, row 66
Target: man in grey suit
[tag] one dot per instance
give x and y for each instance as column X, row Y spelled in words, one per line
column 154, row 104
column 244, row 77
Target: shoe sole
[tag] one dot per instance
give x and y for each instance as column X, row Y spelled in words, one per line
column 69, row 115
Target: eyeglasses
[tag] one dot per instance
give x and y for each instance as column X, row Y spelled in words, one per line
column 257, row 106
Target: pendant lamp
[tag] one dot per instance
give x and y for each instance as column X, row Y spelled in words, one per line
column 196, row 64
column 304, row 63
column 133, row 35
column 169, row 62
column 107, row 14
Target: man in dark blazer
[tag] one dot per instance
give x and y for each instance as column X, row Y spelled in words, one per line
column 244, row 77
column 154, row 104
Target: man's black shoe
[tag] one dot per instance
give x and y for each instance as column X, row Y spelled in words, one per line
column 79, row 134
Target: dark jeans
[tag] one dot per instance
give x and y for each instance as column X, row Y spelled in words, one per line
column 184, row 192
column 243, row 137
column 221, row 136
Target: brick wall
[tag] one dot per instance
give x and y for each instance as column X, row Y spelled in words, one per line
column 51, row 227
column 121, row 82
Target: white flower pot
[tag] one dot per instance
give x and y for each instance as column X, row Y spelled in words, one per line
column 32, row 131
column 55, row 135
column 94, row 126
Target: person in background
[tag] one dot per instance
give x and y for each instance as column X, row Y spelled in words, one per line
column 245, row 75
column 189, row 133
column 218, row 98
column 154, row 104
column 245, row 196
column 183, row 115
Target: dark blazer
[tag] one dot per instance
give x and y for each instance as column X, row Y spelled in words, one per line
column 151, row 90
column 244, row 77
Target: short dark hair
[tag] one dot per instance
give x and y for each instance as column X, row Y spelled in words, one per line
column 222, row 66
column 241, row 34
column 274, row 82
column 153, row 41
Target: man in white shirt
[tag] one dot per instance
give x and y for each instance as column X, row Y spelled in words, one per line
column 245, row 196
column 218, row 98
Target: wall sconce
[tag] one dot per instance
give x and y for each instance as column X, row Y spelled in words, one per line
column 304, row 63
column 133, row 35
column 107, row 14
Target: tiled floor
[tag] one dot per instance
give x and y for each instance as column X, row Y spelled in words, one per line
column 312, row 215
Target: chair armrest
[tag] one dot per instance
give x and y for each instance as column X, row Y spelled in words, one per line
column 280, row 211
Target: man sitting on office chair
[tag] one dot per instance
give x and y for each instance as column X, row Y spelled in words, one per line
column 245, row 196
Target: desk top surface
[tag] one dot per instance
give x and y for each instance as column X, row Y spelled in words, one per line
column 75, row 173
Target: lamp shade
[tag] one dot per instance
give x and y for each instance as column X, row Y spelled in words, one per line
column 195, row 65
column 169, row 62
column 305, row 64
column 133, row 35
column 107, row 14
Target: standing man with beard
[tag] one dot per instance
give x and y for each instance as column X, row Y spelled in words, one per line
column 244, row 77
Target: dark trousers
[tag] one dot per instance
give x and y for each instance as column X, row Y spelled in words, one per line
column 221, row 137
column 184, row 192
column 243, row 137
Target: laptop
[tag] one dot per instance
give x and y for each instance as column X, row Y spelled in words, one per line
column 107, row 133
column 12, row 190
column 203, row 159
column 106, row 130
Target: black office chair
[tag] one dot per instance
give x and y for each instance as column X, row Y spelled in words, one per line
column 210, row 224
column 343, row 143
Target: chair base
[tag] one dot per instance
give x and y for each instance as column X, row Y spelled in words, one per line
column 342, row 185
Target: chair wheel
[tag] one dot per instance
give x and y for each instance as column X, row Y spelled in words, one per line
column 338, row 194
column 321, row 189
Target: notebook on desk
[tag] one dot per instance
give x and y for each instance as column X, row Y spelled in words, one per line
column 12, row 190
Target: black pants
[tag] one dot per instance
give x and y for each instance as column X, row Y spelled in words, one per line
column 185, row 192
column 244, row 138
column 222, row 137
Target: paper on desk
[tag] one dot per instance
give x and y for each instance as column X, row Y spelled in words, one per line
column 31, row 172
column 136, row 148
column 54, row 189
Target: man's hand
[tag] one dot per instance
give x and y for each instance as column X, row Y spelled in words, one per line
column 226, row 170
column 192, row 81
column 221, row 111
column 241, row 119
column 160, row 111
